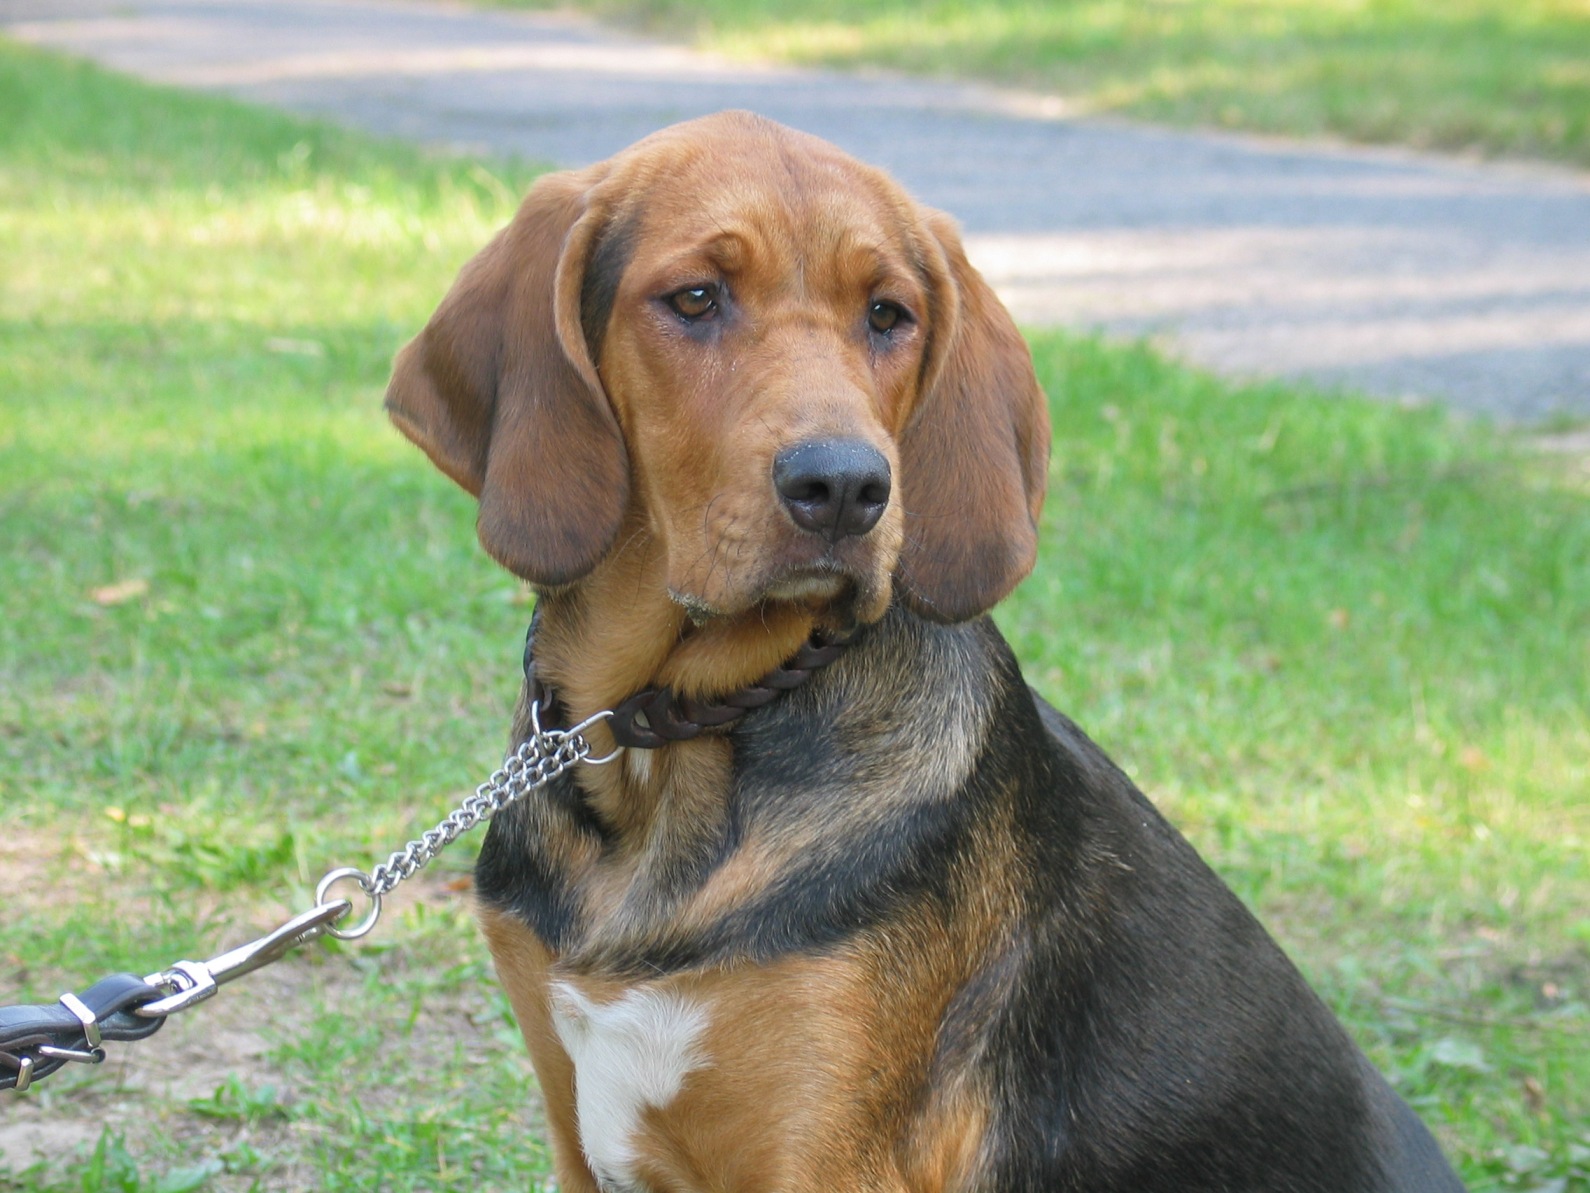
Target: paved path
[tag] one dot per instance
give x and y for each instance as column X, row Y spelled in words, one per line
column 1402, row 275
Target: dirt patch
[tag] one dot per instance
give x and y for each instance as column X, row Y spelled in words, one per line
column 31, row 861
column 26, row 1140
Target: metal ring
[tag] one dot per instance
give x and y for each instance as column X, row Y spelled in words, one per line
column 363, row 927
column 578, row 734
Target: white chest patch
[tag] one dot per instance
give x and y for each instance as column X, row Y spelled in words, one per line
column 629, row 1054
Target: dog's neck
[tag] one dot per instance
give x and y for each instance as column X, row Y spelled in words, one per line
column 618, row 631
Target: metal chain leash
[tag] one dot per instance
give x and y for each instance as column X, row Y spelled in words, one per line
column 539, row 759
column 37, row 1040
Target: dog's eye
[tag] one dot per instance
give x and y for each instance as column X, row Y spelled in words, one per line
column 883, row 317
column 696, row 302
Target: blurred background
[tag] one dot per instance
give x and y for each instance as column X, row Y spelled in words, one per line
column 1308, row 285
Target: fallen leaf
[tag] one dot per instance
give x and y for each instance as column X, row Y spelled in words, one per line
column 119, row 593
column 1534, row 1096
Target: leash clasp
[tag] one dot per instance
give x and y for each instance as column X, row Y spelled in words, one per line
column 191, row 982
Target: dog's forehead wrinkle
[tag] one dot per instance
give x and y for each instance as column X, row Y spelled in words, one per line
column 826, row 206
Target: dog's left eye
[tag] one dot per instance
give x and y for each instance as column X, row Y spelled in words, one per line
column 883, row 317
column 696, row 302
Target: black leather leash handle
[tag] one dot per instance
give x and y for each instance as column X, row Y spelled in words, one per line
column 37, row 1040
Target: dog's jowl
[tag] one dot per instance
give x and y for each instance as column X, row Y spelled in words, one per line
column 852, row 909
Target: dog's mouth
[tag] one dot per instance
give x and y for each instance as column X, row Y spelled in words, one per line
column 732, row 576
column 823, row 581
column 826, row 584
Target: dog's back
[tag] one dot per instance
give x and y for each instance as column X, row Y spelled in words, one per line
column 1189, row 1053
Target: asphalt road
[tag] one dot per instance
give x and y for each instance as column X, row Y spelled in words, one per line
column 1410, row 277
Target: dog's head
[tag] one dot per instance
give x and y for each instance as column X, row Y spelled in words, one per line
column 761, row 349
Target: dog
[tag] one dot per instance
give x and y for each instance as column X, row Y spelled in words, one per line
column 853, row 909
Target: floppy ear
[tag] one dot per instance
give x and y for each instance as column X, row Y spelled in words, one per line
column 501, row 391
column 975, row 454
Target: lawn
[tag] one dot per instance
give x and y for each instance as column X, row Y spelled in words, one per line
column 1498, row 76
column 246, row 635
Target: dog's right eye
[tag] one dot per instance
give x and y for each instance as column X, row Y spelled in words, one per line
column 695, row 302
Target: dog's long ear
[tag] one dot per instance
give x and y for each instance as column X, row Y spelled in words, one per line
column 501, row 391
column 975, row 454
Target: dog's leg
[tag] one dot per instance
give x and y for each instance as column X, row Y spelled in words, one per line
column 522, row 963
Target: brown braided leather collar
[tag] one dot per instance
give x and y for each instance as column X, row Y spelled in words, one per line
column 654, row 717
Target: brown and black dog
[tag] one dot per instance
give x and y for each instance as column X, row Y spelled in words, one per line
column 903, row 927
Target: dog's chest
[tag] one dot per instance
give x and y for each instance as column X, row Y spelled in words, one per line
column 631, row 1054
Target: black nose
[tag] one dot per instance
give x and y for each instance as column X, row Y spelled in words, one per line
column 833, row 487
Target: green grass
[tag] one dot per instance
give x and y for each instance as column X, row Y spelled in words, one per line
column 1500, row 76
column 1345, row 646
